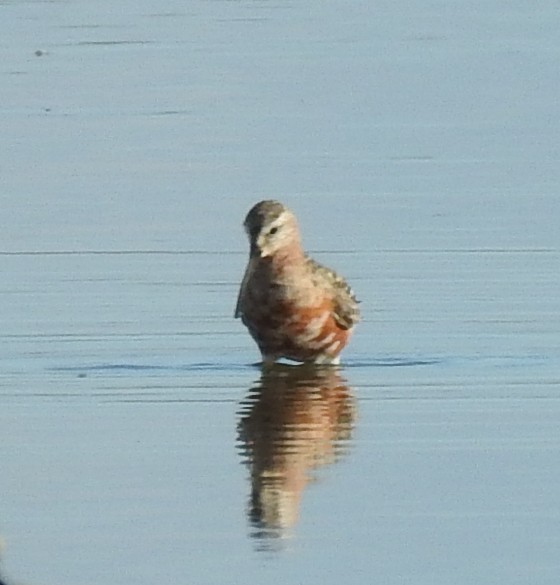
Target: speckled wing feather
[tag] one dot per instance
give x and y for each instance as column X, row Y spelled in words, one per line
column 346, row 311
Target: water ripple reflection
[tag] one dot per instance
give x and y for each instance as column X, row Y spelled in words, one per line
column 293, row 421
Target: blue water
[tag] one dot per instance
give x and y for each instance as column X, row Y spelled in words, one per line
column 418, row 146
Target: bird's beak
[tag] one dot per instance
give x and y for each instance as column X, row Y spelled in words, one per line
column 255, row 251
column 258, row 248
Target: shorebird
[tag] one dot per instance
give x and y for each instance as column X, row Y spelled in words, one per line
column 293, row 307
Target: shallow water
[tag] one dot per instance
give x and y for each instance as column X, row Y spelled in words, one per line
column 419, row 149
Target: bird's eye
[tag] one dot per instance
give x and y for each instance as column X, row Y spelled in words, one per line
column 273, row 231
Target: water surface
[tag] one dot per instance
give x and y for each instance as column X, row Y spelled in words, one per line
column 418, row 146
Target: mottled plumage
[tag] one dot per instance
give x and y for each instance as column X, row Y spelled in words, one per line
column 294, row 307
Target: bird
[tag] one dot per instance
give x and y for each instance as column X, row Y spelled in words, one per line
column 294, row 307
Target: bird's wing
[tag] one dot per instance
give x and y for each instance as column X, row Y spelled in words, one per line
column 345, row 305
column 242, row 290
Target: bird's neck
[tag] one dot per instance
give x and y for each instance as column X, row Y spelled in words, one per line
column 288, row 259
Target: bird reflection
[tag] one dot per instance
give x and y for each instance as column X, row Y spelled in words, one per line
column 292, row 422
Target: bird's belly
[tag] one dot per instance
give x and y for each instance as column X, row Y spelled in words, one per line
column 286, row 329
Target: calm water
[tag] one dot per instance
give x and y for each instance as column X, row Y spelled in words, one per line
column 419, row 146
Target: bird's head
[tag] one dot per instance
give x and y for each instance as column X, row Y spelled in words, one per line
column 270, row 227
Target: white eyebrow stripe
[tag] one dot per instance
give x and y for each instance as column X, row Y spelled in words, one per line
column 280, row 220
